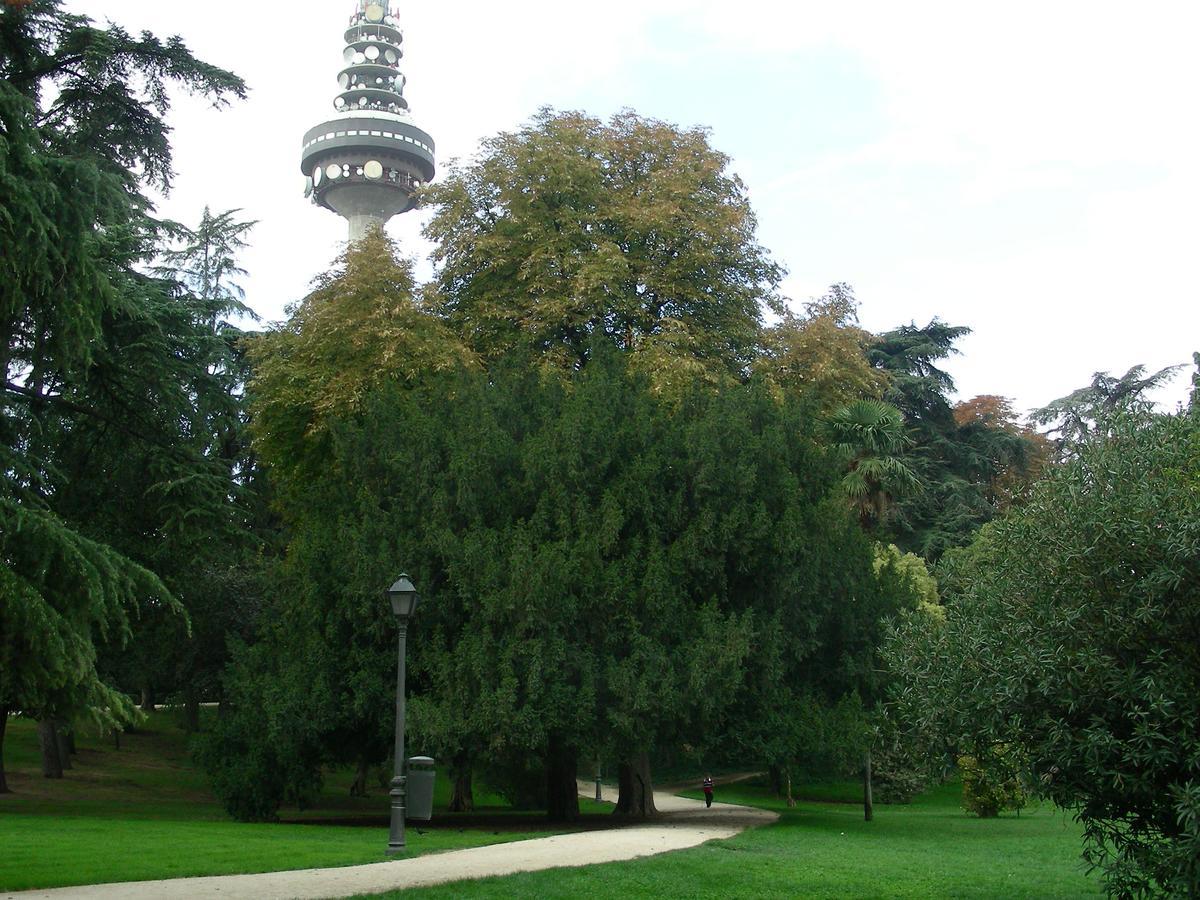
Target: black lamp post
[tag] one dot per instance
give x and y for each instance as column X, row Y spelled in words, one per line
column 404, row 599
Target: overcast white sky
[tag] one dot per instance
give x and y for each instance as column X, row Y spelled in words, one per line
column 1027, row 169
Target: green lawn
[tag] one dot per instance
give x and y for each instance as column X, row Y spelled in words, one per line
column 143, row 812
column 825, row 850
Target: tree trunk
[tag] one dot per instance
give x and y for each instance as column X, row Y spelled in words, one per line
column 191, row 710
column 358, row 788
column 462, row 798
column 6, row 336
column 775, row 775
column 48, row 742
column 64, row 745
column 71, row 748
column 636, row 790
column 147, row 703
column 117, row 737
column 562, row 788
column 868, row 803
column 791, row 801
column 3, row 728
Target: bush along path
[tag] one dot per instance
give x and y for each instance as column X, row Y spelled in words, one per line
column 681, row 823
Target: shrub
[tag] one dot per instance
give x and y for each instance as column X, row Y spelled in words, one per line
column 991, row 782
column 1071, row 633
column 896, row 779
column 263, row 750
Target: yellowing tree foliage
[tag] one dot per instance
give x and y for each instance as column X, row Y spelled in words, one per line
column 571, row 232
column 361, row 326
column 822, row 354
column 912, row 568
column 1012, row 476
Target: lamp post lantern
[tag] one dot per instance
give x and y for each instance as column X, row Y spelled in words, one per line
column 404, row 599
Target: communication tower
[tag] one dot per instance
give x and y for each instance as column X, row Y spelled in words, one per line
column 366, row 161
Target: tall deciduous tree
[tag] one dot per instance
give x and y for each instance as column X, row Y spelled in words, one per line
column 360, row 330
column 83, row 133
column 822, row 355
column 361, row 326
column 632, row 232
column 573, row 234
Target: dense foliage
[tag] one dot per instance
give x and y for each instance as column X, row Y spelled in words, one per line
column 606, row 539
column 599, row 561
column 822, row 355
column 646, row 520
column 1070, row 634
column 993, row 781
column 648, row 523
column 632, row 231
column 361, row 326
column 968, row 466
column 114, row 396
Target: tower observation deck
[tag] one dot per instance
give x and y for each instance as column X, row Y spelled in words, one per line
column 366, row 161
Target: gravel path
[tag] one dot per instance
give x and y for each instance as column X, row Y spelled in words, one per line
column 683, row 823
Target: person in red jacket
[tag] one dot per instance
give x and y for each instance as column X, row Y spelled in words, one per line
column 708, row 788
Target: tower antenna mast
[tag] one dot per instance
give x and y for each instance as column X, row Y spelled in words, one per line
column 367, row 161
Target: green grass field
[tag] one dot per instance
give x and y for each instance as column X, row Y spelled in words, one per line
column 144, row 812
column 930, row 848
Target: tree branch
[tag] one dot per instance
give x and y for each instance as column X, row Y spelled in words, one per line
column 32, row 396
column 53, row 67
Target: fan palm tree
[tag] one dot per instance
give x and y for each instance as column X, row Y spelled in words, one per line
column 871, row 435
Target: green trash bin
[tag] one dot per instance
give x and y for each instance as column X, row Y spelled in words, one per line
column 419, row 799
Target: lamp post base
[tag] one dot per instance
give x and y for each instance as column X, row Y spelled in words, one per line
column 396, row 836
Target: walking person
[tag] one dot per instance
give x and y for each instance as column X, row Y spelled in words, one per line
column 708, row 788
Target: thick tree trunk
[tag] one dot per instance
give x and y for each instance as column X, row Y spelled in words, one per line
column 562, row 789
column 636, row 790
column 64, row 745
column 358, row 788
column 48, row 742
column 462, row 797
column 3, row 728
column 868, row 802
column 147, row 703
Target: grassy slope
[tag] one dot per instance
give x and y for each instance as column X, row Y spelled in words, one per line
column 144, row 812
column 825, row 850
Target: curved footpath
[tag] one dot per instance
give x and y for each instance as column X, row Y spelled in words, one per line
column 682, row 823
